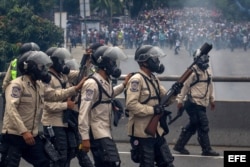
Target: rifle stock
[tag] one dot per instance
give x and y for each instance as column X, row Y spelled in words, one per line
column 152, row 126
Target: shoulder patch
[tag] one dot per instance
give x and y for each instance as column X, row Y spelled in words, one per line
column 16, row 92
column 134, row 86
column 89, row 95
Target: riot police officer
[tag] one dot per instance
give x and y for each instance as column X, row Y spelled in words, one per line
column 143, row 95
column 25, row 97
column 196, row 95
column 13, row 71
column 82, row 156
column 95, row 109
column 55, row 114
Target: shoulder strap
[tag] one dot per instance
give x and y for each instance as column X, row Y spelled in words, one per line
column 208, row 80
column 156, row 90
column 197, row 78
column 101, row 90
column 62, row 84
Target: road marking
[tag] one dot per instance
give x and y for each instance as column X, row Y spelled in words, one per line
column 190, row 155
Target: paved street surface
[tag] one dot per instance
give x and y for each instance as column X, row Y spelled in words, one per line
column 192, row 160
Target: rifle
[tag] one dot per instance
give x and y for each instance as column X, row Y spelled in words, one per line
column 83, row 66
column 179, row 114
column 152, row 126
column 71, row 116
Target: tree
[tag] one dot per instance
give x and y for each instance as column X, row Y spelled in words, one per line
column 20, row 25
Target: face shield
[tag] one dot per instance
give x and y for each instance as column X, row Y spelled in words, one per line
column 59, row 56
column 39, row 63
column 110, row 61
column 153, row 60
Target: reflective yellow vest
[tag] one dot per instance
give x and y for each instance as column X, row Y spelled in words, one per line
column 13, row 69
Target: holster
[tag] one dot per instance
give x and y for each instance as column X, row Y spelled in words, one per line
column 118, row 111
column 135, row 151
column 50, row 149
column 70, row 117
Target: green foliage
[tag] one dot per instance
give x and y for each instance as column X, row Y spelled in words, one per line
column 20, row 25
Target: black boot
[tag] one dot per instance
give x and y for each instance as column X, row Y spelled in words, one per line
column 205, row 145
column 182, row 141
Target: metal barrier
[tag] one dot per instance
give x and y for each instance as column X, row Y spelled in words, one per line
column 175, row 78
column 214, row 78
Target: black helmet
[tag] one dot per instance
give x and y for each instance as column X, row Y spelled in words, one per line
column 72, row 64
column 201, row 61
column 108, row 59
column 94, row 47
column 150, row 55
column 50, row 51
column 58, row 57
column 30, row 46
column 21, row 60
column 37, row 66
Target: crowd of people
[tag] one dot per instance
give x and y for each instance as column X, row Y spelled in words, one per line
column 166, row 27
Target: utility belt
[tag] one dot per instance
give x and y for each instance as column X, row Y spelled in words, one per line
column 189, row 105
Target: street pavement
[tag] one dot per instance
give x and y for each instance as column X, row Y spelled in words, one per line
column 192, row 160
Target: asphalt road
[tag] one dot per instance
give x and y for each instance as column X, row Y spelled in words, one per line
column 192, row 160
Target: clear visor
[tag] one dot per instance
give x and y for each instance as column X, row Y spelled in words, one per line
column 115, row 54
column 41, row 59
column 42, row 67
column 156, row 52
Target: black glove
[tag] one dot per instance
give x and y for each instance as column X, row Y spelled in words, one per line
column 158, row 109
column 176, row 87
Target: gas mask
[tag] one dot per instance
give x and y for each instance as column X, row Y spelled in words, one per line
column 113, row 70
column 154, row 65
column 59, row 66
column 202, row 62
column 41, row 73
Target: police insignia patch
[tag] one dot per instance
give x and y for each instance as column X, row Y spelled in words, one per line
column 89, row 95
column 16, row 92
column 136, row 142
column 134, row 86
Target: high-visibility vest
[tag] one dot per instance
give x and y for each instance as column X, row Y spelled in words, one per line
column 13, row 69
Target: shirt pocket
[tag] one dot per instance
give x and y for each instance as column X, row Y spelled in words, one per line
column 145, row 94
